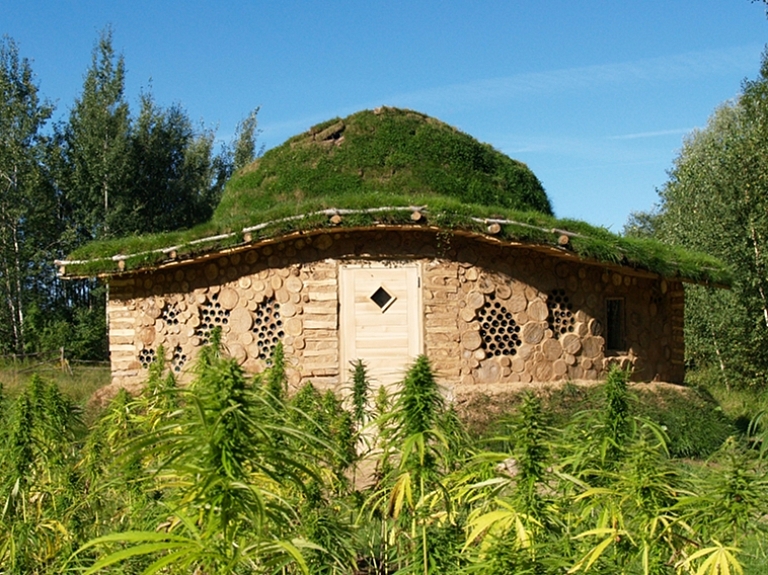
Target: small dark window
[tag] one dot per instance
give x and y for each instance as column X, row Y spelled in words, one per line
column 382, row 298
column 614, row 332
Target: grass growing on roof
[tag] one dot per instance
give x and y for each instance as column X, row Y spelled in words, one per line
column 390, row 158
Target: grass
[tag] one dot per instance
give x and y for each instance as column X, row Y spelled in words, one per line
column 740, row 404
column 78, row 382
column 692, row 418
column 386, row 159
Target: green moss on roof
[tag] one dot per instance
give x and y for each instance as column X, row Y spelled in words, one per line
column 387, row 160
column 384, row 152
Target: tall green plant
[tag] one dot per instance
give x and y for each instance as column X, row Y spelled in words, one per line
column 225, row 477
column 361, row 387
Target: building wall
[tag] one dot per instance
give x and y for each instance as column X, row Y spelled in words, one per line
column 494, row 314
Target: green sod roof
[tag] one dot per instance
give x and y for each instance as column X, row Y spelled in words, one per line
column 373, row 168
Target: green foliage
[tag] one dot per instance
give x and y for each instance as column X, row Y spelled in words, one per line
column 360, row 390
column 385, row 152
column 276, row 381
column 616, row 422
column 694, row 423
column 27, row 199
column 715, row 202
column 216, row 477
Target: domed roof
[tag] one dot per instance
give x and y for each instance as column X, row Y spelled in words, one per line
column 387, row 167
column 381, row 154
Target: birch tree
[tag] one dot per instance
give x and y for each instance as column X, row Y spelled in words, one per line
column 26, row 199
column 716, row 200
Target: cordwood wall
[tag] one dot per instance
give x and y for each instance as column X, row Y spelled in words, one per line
column 493, row 314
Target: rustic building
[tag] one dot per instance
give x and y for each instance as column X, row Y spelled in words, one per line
column 491, row 294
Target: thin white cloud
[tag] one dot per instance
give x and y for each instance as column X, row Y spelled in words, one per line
column 690, row 65
column 656, row 134
column 599, row 77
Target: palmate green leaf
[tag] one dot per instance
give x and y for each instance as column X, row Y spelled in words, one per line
column 720, row 560
column 498, row 522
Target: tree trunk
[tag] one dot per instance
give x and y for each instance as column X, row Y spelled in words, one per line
column 758, row 267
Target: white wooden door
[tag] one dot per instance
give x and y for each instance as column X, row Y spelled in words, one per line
column 380, row 319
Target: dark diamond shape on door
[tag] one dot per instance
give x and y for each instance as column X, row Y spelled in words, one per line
column 382, row 298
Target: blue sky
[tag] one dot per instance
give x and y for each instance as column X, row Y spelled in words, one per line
column 595, row 96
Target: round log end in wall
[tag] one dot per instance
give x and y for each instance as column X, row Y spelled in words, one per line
column 276, row 282
column 538, row 310
column 503, row 291
column 486, row 285
column 323, row 242
column 240, row 320
column 467, row 314
column 147, row 335
column 288, row 309
column 293, row 284
column 518, row 365
column 153, row 311
column 282, row 296
column 211, row 271
column 533, row 332
column 525, row 351
column 571, row 343
column 471, row 340
column 517, row 303
column 471, row 274
column 293, row 326
column 595, row 327
column 228, row 298
column 475, row 300
column 560, row 368
column 245, row 338
column 562, row 269
column 238, row 352
column 552, row 349
column 592, row 346
column 542, row 371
